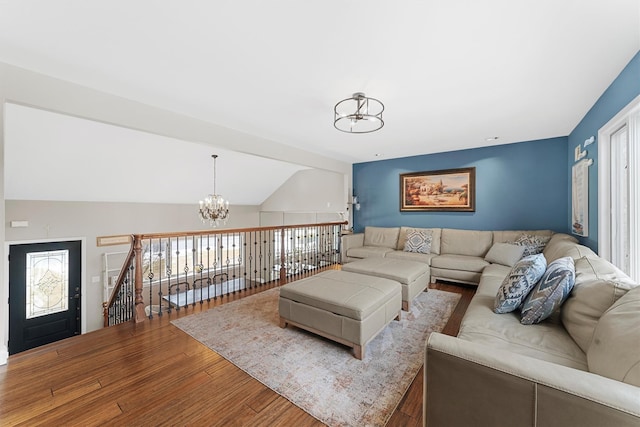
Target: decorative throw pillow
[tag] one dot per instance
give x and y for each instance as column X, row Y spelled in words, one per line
column 504, row 253
column 418, row 241
column 532, row 244
column 550, row 292
column 522, row 278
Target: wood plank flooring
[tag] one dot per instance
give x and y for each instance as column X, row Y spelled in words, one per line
column 154, row 374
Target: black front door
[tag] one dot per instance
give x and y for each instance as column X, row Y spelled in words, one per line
column 44, row 293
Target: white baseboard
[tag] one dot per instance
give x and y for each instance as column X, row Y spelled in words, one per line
column 4, row 355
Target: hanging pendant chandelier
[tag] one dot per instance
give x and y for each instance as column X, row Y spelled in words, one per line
column 214, row 209
column 358, row 114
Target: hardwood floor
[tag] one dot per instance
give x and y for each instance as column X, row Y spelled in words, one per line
column 154, row 374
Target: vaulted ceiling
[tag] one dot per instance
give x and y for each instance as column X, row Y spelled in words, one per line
column 51, row 156
column 450, row 73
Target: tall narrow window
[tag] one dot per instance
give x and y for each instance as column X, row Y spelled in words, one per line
column 620, row 230
column 619, row 190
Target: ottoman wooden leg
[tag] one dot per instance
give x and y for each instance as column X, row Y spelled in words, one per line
column 399, row 316
column 358, row 351
column 283, row 322
column 405, row 305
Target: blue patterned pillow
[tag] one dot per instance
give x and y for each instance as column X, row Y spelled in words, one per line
column 533, row 244
column 550, row 292
column 418, row 241
column 522, row 278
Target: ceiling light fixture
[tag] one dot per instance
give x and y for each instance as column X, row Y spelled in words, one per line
column 214, row 208
column 358, row 114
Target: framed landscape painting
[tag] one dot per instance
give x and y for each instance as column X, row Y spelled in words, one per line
column 443, row 190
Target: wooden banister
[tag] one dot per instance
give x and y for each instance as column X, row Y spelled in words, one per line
column 118, row 286
column 233, row 230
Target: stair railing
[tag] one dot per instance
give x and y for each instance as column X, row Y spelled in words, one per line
column 180, row 270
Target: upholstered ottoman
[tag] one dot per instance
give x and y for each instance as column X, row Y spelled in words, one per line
column 413, row 275
column 345, row 307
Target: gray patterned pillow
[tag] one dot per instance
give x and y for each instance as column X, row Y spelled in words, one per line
column 522, row 278
column 550, row 292
column 532, row 244
column 418, row 241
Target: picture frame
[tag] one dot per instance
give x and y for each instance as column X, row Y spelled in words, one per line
column 120, row 239
column 441, row 190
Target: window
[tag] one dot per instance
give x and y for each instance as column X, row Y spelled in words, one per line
column 619, row 190
column 47, row 283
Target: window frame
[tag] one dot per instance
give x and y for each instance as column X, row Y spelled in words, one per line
column 629, row 116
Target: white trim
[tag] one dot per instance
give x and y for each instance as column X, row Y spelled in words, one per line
column 604, row 173
column 634, row 195
column 5, row 288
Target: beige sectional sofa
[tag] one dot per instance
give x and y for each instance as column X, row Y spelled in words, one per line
column 580, row 367
column 455, row 255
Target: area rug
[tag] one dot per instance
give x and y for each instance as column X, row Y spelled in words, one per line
column 320, row 376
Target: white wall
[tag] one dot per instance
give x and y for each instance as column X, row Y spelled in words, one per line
column 62, row 220
column 311, row 190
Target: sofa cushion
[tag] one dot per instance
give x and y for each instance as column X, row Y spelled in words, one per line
column 384, row 237
column 368, row 252
column 465, row 242
column 504, row 253
column 459, row 262
column 615, row 350
column 550, row 291
column 521, row 279
column 599, row 284
column 418, row 241
column 495, row 271
column 545, row 341
column 411, row 256
column 435, row 238
column 562, row 245
column 533, row 244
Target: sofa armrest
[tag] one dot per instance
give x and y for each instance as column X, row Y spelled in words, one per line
column 350, row 241
column 472, row 384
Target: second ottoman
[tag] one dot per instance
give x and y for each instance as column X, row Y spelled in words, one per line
column 413, row 275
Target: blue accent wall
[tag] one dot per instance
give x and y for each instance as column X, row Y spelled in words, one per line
column 620, row 93
column 518, row 186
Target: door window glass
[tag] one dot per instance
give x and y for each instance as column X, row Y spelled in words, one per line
column 47, row 283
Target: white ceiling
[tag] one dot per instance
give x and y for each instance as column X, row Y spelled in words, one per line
column 450, row 73
column 52, row 156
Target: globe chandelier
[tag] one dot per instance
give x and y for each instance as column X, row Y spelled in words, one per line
column 358, row 114
column 214, row 209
